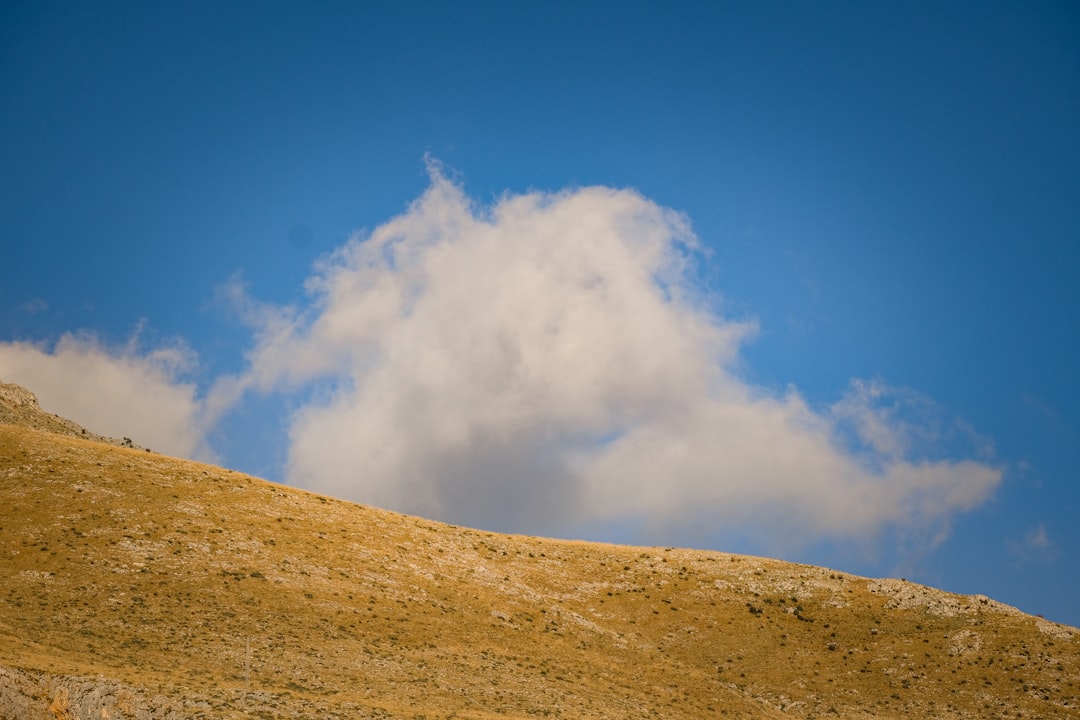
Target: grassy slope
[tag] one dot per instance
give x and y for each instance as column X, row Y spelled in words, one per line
column 239, row 597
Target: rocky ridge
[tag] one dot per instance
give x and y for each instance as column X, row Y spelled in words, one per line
column 142, row 586
column 19, row 406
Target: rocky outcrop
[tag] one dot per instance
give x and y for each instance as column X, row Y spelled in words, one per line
column 40, row 696
column 906, row 595
column 33, row 695
column 19, row 406
column 17, row 396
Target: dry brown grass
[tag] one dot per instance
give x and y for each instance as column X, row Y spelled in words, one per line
column 204, row 591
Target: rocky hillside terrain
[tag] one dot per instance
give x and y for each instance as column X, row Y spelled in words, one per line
column 134, row 585
column 19, row 406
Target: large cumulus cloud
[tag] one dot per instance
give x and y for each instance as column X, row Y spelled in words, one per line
column 547, row 361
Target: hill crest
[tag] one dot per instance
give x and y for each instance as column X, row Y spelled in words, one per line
column 143, row 586
column 19, row 406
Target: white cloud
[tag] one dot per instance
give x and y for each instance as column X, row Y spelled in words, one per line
column 547, row 362
column 124, row 391
column 1035, row 546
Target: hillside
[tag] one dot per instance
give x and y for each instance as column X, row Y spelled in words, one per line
column 141, row 586
column 19, row 406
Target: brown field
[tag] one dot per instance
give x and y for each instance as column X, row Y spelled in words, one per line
column 137, row 585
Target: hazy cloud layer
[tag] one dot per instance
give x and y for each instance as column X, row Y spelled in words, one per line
column 124, row 391
column 547, row 361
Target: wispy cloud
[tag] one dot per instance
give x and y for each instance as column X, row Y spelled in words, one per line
column 1034, row 546
column 122, row 391
column 34, row 307
column 547, row 361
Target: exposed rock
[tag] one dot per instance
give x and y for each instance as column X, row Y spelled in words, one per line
column 1061, row 632
column 912, row 596
column 35, row 695
column 17, row 396
column 19, row 406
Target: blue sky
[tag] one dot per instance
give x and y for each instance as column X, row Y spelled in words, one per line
column 836, row 244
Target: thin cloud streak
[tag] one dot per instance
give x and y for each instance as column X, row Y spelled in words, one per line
column 547, row 362
column 1035, row 546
